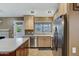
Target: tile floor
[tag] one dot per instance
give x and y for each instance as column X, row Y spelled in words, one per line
column 47, row 52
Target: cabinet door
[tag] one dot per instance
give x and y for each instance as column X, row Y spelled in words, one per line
column 29, row 22
column 44, row 41
column 63, row 8
column 26, row 44
column 22, row 52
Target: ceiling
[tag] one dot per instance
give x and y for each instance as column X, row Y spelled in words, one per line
column 21, row 9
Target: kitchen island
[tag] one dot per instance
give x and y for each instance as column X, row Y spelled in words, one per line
column 11, row 46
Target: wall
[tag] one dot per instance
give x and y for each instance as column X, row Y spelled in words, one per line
column 7, row 22
column 73, row 19
column 4, row 24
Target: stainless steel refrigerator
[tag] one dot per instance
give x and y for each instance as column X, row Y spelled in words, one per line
column 60, row 34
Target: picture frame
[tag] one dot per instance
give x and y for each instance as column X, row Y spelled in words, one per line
column 76, row 6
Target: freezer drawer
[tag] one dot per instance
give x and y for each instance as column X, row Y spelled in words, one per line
column 44, row 41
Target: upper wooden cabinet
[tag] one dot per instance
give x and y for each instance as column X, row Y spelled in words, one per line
column 62, row 10
column 29, row 22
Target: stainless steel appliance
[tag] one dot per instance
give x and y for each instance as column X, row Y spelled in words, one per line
column 32, row 42
column 60, row 34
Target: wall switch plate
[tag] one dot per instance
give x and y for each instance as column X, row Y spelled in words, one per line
column 74, row 49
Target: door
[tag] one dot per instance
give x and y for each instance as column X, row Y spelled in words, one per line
column 22, row 52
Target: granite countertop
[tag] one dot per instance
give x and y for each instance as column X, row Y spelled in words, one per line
column 8, row 45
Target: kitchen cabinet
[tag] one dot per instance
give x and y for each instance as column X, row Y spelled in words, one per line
column 23, row 50
column 62, row 10
column 44, row 41
column 29, row 22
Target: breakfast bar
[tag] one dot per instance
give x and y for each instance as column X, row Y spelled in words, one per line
column 10, row 46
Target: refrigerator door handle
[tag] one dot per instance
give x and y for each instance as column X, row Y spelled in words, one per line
column 56, row 43
column 56, row 39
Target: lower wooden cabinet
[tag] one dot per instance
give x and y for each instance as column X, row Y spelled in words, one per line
column 44, row 41
column 22, row 52
column 25, row 45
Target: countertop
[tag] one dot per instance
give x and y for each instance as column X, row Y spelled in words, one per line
column 38, row 35
column 8, row 45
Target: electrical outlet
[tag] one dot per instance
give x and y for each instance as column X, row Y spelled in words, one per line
column 74, row 49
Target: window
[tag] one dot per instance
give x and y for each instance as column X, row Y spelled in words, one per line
column 38, row 27
column 46, row 27
column 43, row 27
